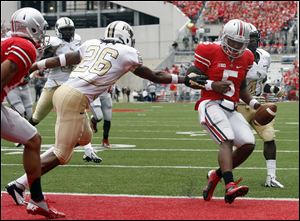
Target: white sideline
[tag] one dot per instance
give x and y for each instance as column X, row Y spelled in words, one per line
column 162, row 197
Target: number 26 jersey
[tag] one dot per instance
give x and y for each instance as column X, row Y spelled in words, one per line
column 102, row 64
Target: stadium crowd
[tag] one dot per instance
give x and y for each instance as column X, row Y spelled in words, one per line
column 262, row 14
column 291, row 82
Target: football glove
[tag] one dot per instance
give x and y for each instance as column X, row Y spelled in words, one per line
column 195, row 80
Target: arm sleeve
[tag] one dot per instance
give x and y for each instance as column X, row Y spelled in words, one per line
column 135, row 59
column 202, row 57
column 23, row 54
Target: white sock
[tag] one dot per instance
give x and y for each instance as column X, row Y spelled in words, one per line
column 22, row 182
column 271, row 167
column 88, row 149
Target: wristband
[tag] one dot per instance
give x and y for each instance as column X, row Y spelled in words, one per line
column 41, row 65
column 208, row 85
column 174, row 79
column 252, row 103
column 62, row 60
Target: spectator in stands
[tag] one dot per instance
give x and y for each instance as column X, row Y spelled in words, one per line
column 186, row 42
column 175, row 45
column 116, row 93
column 128, row 94
column 152, row 92
column 173, row 93
column 145, row 95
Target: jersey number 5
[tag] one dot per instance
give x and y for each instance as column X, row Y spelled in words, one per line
column 226, row 75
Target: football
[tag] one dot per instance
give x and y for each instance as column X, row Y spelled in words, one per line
column 265, row 114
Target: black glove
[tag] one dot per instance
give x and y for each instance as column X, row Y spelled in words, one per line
column 193, row 79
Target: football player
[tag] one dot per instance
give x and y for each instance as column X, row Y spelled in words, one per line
column 226, row 64
column 257, row 85
column 20, row 99
column 28, row 28
column 65, row 41
column 100, row 64
column 102, row 108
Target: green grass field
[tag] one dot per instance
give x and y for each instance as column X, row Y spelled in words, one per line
column 166, row 160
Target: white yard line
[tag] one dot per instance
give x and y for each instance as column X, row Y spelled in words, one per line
column 168, row 138
column 150, row 167
column 97, row 148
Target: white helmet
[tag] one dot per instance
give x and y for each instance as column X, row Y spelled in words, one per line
column 235, row 38
column 29, row 23
column 120, row 31
column 65, row 29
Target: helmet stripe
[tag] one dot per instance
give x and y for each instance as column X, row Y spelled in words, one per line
column 109, row 34
column 13, row 26
column 241, row 29
column 113, row 29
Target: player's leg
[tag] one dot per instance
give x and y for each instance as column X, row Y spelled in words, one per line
column 89, row 152
column 97, row 114
column 27, row 101
column 16, row 129
column 106, row 106
column 15, row 101
column 217, row 122
column 267, row 134
column 43, row 107
column 14, row 98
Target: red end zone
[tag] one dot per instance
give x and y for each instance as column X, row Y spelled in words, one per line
column 144, row 208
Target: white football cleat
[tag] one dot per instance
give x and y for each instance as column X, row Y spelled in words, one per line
column 272, row 182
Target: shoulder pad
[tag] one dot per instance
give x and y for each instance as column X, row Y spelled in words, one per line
column 263, row 53
column 77, row 37
column 54, row 41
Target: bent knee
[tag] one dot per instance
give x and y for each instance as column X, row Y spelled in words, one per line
column 63, row 156
column 34, row 142
column 249, row 146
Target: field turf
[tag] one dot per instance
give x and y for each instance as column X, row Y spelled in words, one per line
column 160, row 149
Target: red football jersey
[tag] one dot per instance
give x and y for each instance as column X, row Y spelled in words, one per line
column 23, row 53
column 212, row 61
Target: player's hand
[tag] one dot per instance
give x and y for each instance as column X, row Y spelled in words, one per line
column 221, row 87
column 33, row 67
column 195, row 81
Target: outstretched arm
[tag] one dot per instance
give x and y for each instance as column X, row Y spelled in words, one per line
column 158, row 76
column 58, row 61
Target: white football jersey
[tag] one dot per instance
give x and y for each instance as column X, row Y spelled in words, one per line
column 59, row 75
column 258, row 73
column 102, row 64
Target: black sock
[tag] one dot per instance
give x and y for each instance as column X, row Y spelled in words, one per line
column 36, row 190
column 106, row 128
column 219, row 172
column 228, row 177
